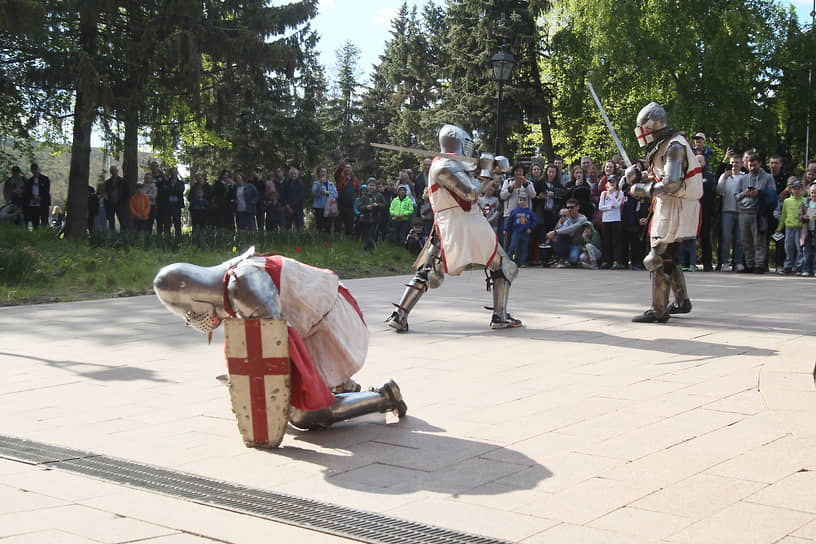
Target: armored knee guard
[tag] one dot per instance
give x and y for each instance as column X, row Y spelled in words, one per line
column 502, row 271
column 387, row 398
column 429, row 276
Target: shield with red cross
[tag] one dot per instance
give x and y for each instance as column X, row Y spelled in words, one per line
column 257, row 352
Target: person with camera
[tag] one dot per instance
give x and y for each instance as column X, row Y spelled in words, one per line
column 348, row 189
column 752, row 199
column 511, row 189
column 729, row 220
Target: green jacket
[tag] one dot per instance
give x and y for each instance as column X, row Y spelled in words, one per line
column 790, row 213
column 401, row 207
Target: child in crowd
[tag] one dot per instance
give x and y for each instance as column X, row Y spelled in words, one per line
column 592, row 246
column 198, row 209
column 610, row 203
column 789, row 220
column 274, row 211
column 807, row 216
column 416, row 238
column 520, row 223
column 140, row 209
column 489, row 203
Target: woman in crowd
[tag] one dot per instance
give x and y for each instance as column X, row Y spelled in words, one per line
column 324, row 193
column 579, row 189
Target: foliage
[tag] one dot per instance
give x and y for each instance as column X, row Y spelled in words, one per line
column 717, row 67
column 37, row 266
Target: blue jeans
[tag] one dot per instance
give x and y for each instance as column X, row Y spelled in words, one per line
column 730, row 232
column 807, row 257
column 793, row 251
column 518, row 246
column 565, row 249
column 688, row 253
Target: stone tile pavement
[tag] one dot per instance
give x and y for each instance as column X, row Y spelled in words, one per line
column 579, row 427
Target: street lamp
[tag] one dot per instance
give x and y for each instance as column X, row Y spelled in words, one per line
column 502, row 67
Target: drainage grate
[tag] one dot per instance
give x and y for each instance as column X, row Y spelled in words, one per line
column 306, row 513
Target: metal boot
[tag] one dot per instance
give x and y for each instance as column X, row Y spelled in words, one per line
column 501, row 319
column 414, row 290
column 387, row 398
column 682, row 303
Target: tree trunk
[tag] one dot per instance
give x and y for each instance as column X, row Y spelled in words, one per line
column 130, row 154
column 76, row 223
column 546, row 138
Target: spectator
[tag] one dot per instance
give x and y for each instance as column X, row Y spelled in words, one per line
column 324, row 193
column 542, row 207
column 348, row 189
column 421, row 182
column 700, row 147
column 401, row 210
column 783, row 192
column 140, row 208
column 565, row 174
column 520, row 224
column 634, row 216
column 610, row 204
column 751, row 193
column 117, row 200
column 93, row 208
column 257, row 181
column 244, row 199
column 296, row 194
column 727, row 187
column 585, row 163
column 171, row 201
column 220, row 210
column 807, row 216
column 415, row 239
column 591, row 252
column 567, row 236
column 579, row 189
column 404, row 180
column 378, row 210
column 36, row 198
column 388, row 196
column 58, row 217
column 790, row 221
column 706, row 213
column 271, row 204
column 363, row 207
column 100, row 223
column 152, row 191
column 13, row 190
column 198, row 207
column 511, row 190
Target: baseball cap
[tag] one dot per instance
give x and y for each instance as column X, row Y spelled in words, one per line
column 796, row 183
column 699, row 135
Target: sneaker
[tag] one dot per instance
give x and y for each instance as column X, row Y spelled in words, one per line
column 562, row 264
column 545, row 245
column 399, row 324
column 683, row 308
column 804, row 273
column 617, row 266
column 497, row 322
column 740, row 267
column 649, row 316
column 725, row 268
column 785, row 271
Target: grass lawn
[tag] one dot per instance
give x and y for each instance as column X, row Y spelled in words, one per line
column 36, row 266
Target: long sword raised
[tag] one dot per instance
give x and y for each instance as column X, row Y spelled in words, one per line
column 424, row 153
column 618, row 143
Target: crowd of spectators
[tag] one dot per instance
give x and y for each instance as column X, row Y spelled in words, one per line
column 544, row 214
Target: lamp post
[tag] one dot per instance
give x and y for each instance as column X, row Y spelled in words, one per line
column 502, row 67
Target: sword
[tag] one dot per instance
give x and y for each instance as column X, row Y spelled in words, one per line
column 618, row 143
column 424, row 153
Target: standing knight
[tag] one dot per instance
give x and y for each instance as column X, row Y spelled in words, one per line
column 675, row 182
column 461, row 234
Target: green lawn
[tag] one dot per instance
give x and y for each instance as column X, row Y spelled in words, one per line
column 37, row 266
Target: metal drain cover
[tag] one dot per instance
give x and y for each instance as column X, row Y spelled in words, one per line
column 297, row 511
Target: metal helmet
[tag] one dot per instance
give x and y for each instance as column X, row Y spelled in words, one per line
column 651, row 119
column 453, row 139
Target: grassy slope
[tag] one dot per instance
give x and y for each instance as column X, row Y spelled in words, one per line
column 39, row 267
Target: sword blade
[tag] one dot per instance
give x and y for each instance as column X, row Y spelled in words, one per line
column 618, row 143
column 424, row 153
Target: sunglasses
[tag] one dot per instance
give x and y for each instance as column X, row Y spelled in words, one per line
column 563, row 215
column 571, row 207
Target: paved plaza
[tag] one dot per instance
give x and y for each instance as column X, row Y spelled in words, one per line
column 579, row 427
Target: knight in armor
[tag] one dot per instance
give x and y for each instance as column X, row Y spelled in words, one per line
column 461, row 234
column 675, row 182
column 320, row 312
